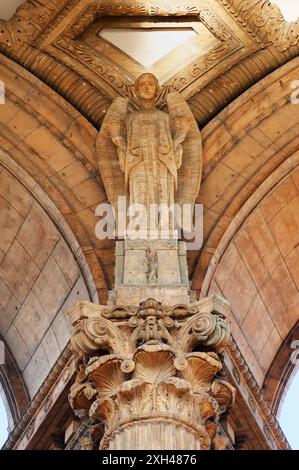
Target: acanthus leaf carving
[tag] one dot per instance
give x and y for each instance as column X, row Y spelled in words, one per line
column 163, row 377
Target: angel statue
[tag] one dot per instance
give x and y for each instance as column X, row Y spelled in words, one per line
column 153, row 157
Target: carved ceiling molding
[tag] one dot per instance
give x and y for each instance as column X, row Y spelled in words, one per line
column 29, row 21
column 261, row 19
column 264, row 22
column 255, row 398
column 228, row 44
column 66, row 44
column 215, row 96
column 89, row 82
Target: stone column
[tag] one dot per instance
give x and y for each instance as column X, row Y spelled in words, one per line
column 151, row 374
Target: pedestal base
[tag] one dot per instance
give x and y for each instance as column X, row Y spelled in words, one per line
column 151, row 269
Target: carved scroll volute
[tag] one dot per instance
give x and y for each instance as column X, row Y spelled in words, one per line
column 94, row 334
column 204, row 329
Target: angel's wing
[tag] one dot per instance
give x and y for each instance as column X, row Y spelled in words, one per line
column 113, row 127
column 190, row 173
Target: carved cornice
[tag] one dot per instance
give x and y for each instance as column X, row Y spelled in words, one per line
column 242, row 370
column 112, row 75
column 90, row 102
column 29, row 21
column 117, row 8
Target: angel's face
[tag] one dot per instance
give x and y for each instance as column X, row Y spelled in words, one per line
column 147, row 87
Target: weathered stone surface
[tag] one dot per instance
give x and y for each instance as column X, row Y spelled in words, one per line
column 66, row 262
column 15, row 194
column 36, row 371
column 32, row 322
column 18, row 347
column 38, row 243
column 51, row 347
column 61, row 329
column 51, row 288
column 19, row 281
column 9, row 307
column 10, row 222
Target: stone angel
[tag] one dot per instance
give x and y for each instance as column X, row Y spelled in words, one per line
column 151, row 156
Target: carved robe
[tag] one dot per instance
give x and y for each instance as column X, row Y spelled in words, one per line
column 149, row 155
column 150, row 164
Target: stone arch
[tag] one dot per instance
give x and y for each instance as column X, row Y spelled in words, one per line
column 243, row 146
column 55, row 146
column 255, row 268
column 43, row 272
column 13, row 390
column 282, row 370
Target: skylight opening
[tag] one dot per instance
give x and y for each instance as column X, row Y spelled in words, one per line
column 289, row 9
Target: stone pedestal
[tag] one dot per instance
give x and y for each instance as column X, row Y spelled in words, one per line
column 151, row 373
column 156, row 269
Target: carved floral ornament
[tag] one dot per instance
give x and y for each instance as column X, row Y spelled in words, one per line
column 142, row 367
column 55, row 27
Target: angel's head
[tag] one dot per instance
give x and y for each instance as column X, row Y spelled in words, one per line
column 147, row 87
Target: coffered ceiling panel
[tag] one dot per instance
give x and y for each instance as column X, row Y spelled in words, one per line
column 77, row 41
column 147, row 45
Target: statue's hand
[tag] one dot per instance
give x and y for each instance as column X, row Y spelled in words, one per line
column 178, row 154
column 119, row 142
column 122, row 159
